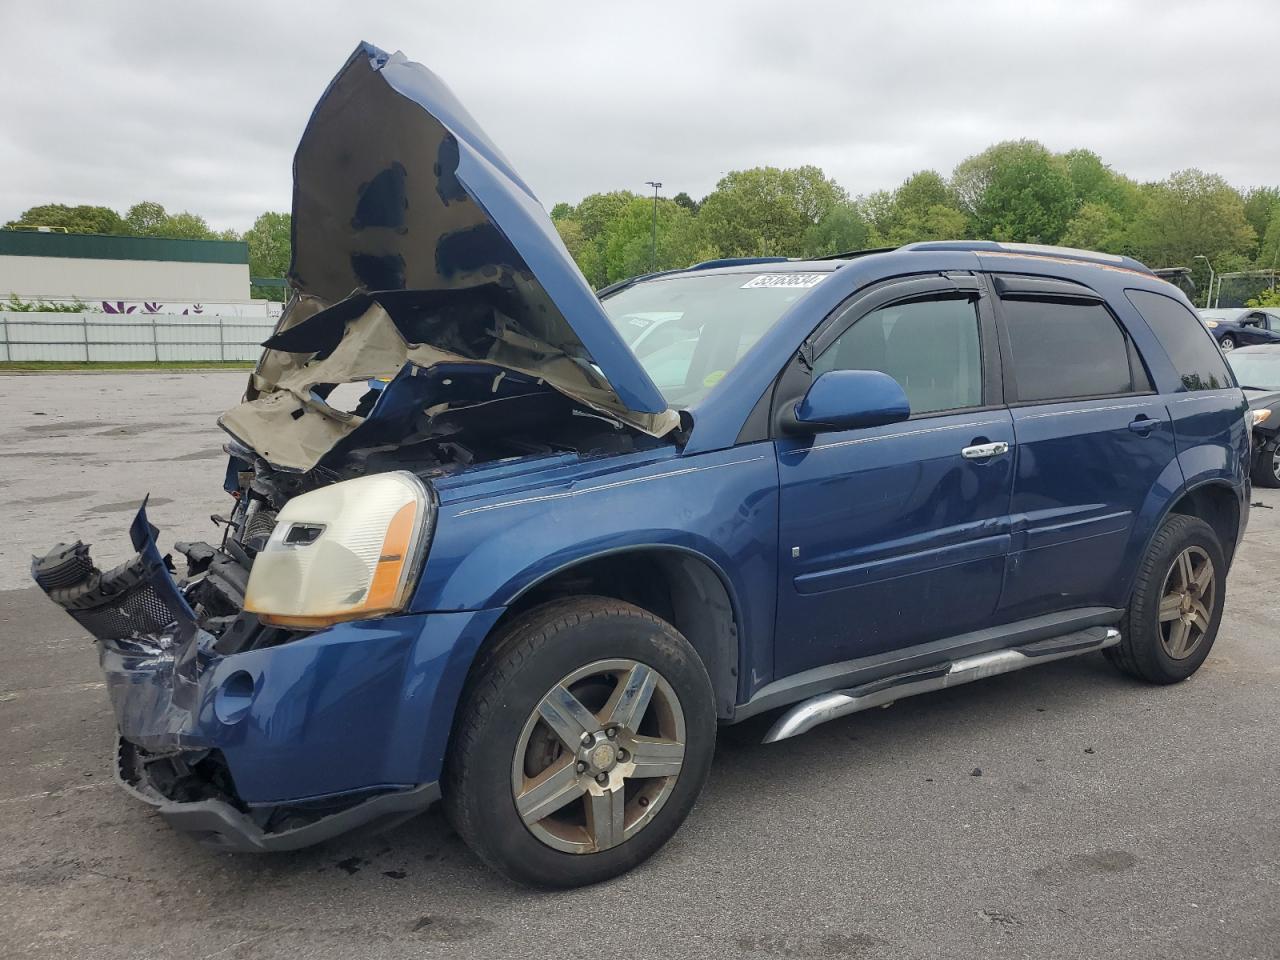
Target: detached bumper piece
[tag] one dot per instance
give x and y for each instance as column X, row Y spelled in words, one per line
column 216, row 818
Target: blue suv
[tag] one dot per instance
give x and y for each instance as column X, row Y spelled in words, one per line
column 535, row 571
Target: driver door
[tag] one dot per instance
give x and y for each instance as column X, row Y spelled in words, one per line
column 896, row 535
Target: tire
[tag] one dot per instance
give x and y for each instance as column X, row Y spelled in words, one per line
column 503, row 747
column 1227, row 343
column 1266, row 472
column 1157, row 650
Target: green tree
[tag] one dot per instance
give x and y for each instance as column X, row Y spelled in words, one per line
column 1260, row 207
column 1269, row 248
column 270, row 250
column 1097, row 226
column 79, row 219
column 841, row 230
column 628, row 240
column 923, row 208
column 1267, row 298
column 1016, row 191
column 596, row 210
column 684, row 200
column 1191, row 213
column 766, row 211
column 145, row 219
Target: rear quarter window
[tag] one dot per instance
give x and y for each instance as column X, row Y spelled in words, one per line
column 1189, row 345
column 1067, row 349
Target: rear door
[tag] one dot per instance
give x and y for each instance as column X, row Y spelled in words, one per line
column 1093, row 437
column 892, row 536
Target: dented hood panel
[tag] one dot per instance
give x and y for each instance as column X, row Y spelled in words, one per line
column 396, row 188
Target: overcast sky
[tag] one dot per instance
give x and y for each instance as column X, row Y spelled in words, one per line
column 199, row 105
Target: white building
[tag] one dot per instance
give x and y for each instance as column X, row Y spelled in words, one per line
column 135, row 275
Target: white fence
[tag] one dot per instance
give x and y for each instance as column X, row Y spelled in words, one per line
column 157, row 337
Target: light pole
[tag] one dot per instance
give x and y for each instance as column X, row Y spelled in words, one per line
column 653, row 246
column 1209, row 295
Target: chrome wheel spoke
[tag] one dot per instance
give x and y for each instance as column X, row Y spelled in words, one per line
column 567, row 717
column 631, row 698
column 552, row 789
column 1170, row 607
column 607, row 817
column 655, row 757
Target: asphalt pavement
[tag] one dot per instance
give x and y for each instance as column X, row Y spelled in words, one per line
column 1063, row 811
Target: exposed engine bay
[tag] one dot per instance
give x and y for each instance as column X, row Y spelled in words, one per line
column 430, row 420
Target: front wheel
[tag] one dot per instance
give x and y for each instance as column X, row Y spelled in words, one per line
column 1227, row 343
column 581, row 743
column 1177, row 603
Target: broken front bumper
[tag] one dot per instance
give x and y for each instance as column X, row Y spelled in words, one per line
column 282, row 746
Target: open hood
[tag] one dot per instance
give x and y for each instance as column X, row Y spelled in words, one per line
column 401, row 202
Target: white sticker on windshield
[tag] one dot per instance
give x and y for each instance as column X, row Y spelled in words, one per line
column 785, row 280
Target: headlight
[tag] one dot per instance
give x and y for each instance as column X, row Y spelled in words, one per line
column 1211, row 324
column 1258, row 416
column 348, row 551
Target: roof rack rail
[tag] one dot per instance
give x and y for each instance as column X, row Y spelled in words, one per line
column 852, row 254
column 1032, row 250
column 735, row 262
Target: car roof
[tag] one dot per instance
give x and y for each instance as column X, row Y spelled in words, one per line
column 1014, row 251
column 1255, row 348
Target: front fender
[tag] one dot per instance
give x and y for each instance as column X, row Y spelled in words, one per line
column 721, row 506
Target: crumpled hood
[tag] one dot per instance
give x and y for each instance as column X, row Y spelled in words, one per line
column 399, row 199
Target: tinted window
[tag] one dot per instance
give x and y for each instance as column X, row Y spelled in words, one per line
column 931, row 347
column 1063, row 349
column 1189, row 345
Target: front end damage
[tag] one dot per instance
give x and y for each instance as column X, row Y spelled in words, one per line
column 179, row 699
column 437, row 323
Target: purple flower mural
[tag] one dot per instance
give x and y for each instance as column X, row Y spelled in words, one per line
column 117, row 307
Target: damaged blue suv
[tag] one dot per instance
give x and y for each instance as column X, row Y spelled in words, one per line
column 533, row 573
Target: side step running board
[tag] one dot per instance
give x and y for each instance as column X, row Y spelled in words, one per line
column 879, row 693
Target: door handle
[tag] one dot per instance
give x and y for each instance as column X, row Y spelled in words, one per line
column 982, row 451
column 1142, row 425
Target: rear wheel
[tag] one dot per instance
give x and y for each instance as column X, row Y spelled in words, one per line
column 582, row 743
column 1266, row 472
column 1177, row 603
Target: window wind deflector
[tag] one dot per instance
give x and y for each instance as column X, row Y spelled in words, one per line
column 1014, row 286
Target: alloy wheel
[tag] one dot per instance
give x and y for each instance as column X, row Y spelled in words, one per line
column 599, row 756
column 1186, row 603
column 1275, row 462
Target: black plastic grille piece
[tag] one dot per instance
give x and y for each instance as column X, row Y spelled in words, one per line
column 122, row 602
column 63, row 566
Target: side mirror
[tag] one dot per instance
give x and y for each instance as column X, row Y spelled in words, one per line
column 845, row 399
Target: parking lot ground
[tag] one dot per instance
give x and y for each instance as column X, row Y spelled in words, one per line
column 1062, row 811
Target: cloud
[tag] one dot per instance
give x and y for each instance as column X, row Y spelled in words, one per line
column 199, row 105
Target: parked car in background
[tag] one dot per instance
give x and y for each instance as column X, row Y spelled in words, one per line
column 536, row 572
column 1257, row 370
column 1243, row 326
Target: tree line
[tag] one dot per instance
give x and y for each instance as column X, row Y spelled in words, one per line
column 1013, row 191
column 268, row 239
column 1016, row 191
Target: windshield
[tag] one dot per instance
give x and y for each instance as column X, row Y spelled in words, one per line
column 689, row 330
column 1258, row 370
